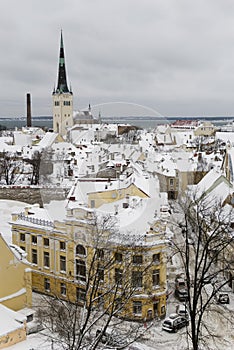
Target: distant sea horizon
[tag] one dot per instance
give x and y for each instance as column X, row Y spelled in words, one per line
column 145, row 122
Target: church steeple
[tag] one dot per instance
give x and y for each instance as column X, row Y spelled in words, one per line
column 62, row 78
column 62, row 98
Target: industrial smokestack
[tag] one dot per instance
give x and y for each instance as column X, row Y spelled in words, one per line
column 29, row 116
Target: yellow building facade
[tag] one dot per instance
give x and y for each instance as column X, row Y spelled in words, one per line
column 15, row 276
column 68, row 255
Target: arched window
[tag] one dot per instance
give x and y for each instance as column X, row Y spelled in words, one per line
column 80, row 250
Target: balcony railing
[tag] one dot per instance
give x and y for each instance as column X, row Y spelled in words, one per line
column 40, row 222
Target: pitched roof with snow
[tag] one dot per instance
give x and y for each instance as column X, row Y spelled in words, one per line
column 48, row 139
column 10, row 320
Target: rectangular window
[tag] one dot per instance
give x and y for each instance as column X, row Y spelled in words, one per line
column 62, row 263
column 100, row 253
column 47, row 284
column 46, row 259
column 22, row 237
column 156, row 258
column 80, row 270
column 80, row 294
column 137, row 279
column 156, row 278
column 66, row 103
column 171, row 182
column 118, row 276
column 137, row 259
column 46, row 242
column 100, row 300
column 63, row 289
column 100, row 273
column 119, row 304
column 118, row 257
column 62, row 245
column 34, row 239
column 137, row 307
column 34, row 256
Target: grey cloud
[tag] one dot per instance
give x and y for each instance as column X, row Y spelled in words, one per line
column 173, row 55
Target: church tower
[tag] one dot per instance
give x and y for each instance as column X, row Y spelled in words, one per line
column 62, row 98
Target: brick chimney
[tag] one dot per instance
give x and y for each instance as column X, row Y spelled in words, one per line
column 29, row 116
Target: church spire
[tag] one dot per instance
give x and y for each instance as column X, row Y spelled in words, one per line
column 62, row 79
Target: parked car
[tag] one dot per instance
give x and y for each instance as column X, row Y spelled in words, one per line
column 182, row 310
column 180, row 289
column 174, row 322
column 223, row 298
column 165, row 212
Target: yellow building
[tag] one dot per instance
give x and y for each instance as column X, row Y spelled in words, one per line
column 205, row 129
column 12, row 327
column 15, row 276
column 15, row 293
column 127, row 253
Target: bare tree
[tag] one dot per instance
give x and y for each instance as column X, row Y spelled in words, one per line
column 93, row 317
column 205, row 249
column 11, row 167
column 42, row 166
column 35, row 162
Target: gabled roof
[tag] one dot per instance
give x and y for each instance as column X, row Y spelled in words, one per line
column 48, row 140
column 209, row 182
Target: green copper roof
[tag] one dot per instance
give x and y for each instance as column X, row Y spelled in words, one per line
column 62, row 78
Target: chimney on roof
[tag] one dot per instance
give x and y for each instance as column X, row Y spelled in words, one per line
column 29, row 116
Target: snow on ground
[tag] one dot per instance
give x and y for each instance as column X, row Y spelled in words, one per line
column 34, row 342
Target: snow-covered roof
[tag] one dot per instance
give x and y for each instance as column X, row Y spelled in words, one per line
column 208, row 182
column 167, row 166
column 10, row 320
column 149, row 185
column 219, row 193
column 225, row 136
column 48, row 139
column 35, row 216
column 137, row 218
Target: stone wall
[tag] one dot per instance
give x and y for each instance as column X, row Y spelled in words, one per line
column 33, row 195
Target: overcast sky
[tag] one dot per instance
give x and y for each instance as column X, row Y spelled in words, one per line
column 174, row 56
